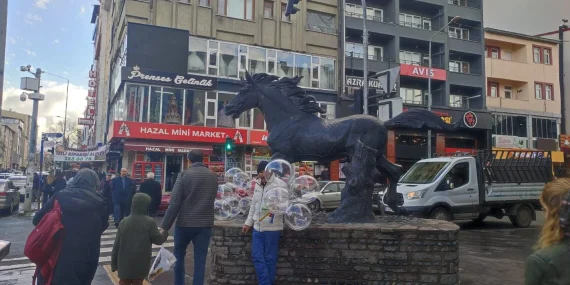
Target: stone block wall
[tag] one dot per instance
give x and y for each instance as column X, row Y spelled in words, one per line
column 414, row 252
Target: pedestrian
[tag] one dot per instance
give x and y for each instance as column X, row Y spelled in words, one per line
column 154, row 190
column 191, row 205
column 122, row 188
column 325, row 174
column 132, row 251
column 36, row 187
column 47, row 190
column 549, row 264
column 106, row 193
column 59, row 183
column 84, row 221
column 267, row 227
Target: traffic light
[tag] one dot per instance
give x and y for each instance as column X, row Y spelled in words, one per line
column 291, row 9
column 229, row 145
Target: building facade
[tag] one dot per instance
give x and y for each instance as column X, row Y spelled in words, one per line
column 523, row 90
column 400, row 32
column 175, row 64
column 16, row 130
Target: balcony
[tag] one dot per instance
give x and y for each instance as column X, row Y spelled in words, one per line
column 506, row 69
column 356, row 61
column 475, row 4
column 386, row 25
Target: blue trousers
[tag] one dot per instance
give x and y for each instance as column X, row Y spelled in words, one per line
column 121, row 210
column 200, row 238
column 264, row 250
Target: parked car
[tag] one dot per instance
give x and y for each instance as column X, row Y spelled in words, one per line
column 330, row 196
column 19, row 182
column 9, row 198
column 5, row 176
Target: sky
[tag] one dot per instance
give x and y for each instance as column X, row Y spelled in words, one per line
column 55, row 35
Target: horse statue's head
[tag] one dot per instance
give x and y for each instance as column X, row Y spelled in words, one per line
column 270, row 93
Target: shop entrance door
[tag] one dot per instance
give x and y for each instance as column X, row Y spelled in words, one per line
column 171, row 170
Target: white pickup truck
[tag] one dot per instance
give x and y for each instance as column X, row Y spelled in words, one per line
column 459, row 187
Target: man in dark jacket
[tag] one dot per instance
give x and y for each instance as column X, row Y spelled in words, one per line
column 106, row 192
column 123, row 188
column 191, row 205
column 154, row 190
column 84, row 219
column 59, row 183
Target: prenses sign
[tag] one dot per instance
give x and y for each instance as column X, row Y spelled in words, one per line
column 423, row 72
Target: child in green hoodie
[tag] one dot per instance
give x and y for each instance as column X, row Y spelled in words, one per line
column 132, row 251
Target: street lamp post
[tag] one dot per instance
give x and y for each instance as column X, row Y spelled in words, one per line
column 66, row 99
column 455, row 19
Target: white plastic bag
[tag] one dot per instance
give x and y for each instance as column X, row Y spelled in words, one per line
column 163, row 262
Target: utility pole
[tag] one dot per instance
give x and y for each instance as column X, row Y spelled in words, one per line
column 3, row 23
column 365, row 50
column 561, row 29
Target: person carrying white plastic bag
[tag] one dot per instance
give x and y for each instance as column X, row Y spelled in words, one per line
column 163, row 262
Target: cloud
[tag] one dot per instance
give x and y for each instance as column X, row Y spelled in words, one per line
column 12, row 40
column 52, row 106
column 55, row 42
column 29, row 52
column 65, row 73
column 82, row 9
column 42, row 4
column 32, row 18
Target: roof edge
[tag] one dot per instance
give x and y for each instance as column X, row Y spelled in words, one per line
column 521, row 36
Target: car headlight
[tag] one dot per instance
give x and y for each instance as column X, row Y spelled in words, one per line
column 416, row 194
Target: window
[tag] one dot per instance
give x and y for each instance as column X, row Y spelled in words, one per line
column 538, row 91
column 458, row 2
column 508, row 92
column 327, row 73
column 285, row 66
column 456, row 101
column 546, row 52
column 548, row 91
column 284, row 17
column 494, row 53
column 137, row 97
column 268, row 9
column 544, row 128
column 330, row 109
column 197, row 57
column 459, row 66
column 222, row 119
column 357, row 51
column 408, row 57
column 374, row 14
column 303, row 68
column 195, row 106
column 411, row 96
column 321, row 22
column 507, row 55
column 413, row 21
column 213, row 58
column 427, row 24
column 204, row 3
column 257, row 60
column 228, row 66
column 458, row 176
column 458, row 33
column 240, row 9
column 493, row 89
column 536, row 54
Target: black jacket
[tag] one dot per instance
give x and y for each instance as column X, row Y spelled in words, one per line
column 58, row 184
column 106, row 192
column 154, row 190
column 84, row 218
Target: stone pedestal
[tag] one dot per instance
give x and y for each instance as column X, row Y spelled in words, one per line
column 392, row 252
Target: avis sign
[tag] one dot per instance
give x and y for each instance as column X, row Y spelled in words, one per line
column 423, row 72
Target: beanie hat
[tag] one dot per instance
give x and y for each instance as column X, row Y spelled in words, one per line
column 261, row 166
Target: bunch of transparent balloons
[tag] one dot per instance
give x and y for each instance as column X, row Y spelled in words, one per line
column 288, row 196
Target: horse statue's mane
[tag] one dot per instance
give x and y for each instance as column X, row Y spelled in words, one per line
column 289, row 88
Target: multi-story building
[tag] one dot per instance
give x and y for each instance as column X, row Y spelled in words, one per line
column 400, row 32
column 155, row 119
column 522, row 90
column 16, row 129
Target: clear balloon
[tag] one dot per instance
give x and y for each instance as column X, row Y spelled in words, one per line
column 304, row 189
column 244, row 205
column 281, row 169
column 225, row 190
column 222, row 209
column 243, row 184
column 235, row 209
column 298, row 217
column 229, row 175
column 276, row 200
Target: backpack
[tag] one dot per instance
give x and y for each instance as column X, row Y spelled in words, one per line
column 44, row 242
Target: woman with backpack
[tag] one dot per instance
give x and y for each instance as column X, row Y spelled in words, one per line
column 84, row 218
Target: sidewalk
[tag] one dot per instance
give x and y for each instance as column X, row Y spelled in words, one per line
column 24, row 277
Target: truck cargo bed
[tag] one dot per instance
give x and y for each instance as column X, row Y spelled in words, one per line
column 507, row 192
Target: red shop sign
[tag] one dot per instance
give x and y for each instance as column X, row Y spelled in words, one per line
column 258, row 137
column 138, row 130
column 422, row 72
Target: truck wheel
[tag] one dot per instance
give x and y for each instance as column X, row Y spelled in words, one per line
column 440, row 213
column 523, row 218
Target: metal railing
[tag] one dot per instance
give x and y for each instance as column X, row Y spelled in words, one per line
column 369, row 17
column 415, row 26
column 422, row 63
column 471, row 71
column 466, row 3
column 360, row 55
column 473, row 34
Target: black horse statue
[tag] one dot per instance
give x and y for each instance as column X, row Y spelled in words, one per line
column 296, row 134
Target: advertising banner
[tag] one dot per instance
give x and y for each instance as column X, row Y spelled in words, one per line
column 80, row 155
column 258, row 137
column 423, row 72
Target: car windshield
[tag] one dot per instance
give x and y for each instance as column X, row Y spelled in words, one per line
column 322, row 184
column 423, row 172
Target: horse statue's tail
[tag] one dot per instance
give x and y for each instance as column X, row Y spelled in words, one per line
column 420, row 119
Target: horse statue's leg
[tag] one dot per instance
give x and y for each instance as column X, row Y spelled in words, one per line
column 356, row 199
column 394, row 171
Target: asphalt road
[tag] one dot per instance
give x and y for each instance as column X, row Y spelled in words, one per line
column 492, row 253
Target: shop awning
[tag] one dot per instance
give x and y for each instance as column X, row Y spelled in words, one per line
column 167, row 147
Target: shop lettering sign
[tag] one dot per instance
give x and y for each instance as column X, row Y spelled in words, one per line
column 359, row 82
column 72, row 155
column 258, row 138
column 138, row 74
column 138, row 130
column 423, row 72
